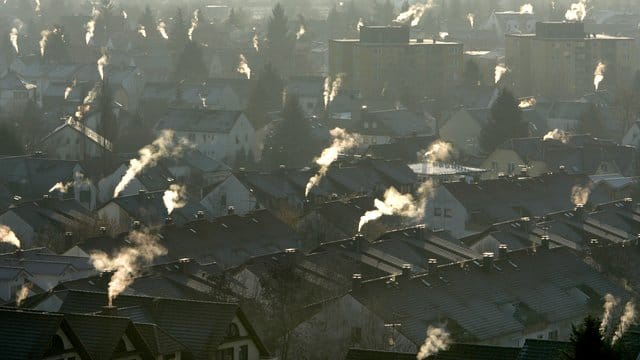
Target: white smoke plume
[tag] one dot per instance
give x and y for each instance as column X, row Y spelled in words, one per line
column 243, row 67
column 301, row 32
column 628, row 318
column 162, row 29
column 577, row 11
column 125, row 15
column 90, row 27
column 360, row 24
column 164, row 146
column 438, row 151
column 395, row 203
column 580, row 195
column 610, row 302
column 598, row 74
column 174, row 198
column 69, row 89
column 8, row 236
column 61, row 187
column 142, row 31
column 472, row 20
column 414, row 13
column 437, row 340
column 331, row 89
column 342, row 141
column 43, row 41
column 527, row 103
column 526, row 9
column 127, row 263
column 557, row 134
column 256, row 42
column 23, row 293
column 499, row 72
column 13, row 37
column 443, row 35
column 102, row 62
column 194, row 23
column 37, row 9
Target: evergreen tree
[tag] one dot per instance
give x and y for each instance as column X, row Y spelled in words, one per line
column 588, row 343
column 190, row 65
column 279, row 44
column 148, row 22
column 405, row 6
column 108, row 125
column 266, row 96
column 505, row 122
column 179, row 34
column 56, row 50
column 10, row 141
column 591, row 122
column 384, row 12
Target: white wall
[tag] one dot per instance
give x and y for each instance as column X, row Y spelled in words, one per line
column 444, row 200
column 237, row 195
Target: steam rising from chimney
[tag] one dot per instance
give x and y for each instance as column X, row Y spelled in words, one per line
column 526, row 9
column 13, row 37
column 142, row 31
column 500, row 70
column 598, row 74
column 527, row 103
column 194, row 23
column 8, row 236
column 342, row 141
column 37, row 9
column 301, row 32
column 164, row 146
column 437, row 340
column 174, row 198
column 102, row 62
column 69, row 89
column 580, row 195
column 23, row 293
column 331, row 89
column 43, row 41
column 443, row 35
column 124, row 15
column 360, row 24
column 128, row 262
column 438, row 151
column 577, row 11
column 610, row 302
column 61, row 187
column 472, row 19
column 256, row 42
column 414, row 13
column 162, row 29
column 91, row 26
column 243, row 67
column 557, row 134
column 628, row 318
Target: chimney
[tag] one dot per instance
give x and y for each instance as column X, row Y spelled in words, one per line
column 594, row 242
column 580, row 212
column 142, row 192
column 544, row 242
column 109, row 311
column 361, row 242
column 503, row 250
column 526, row 224
column 68, row 240
column 186, row 265
column 102, row 230
column 136, row 225
column 200, row 214
column 628, row 204
column 406, row 271
column 168, row 220
column 487, row 261
column 432, row 266
column 231, row 210
column 419, row 40
column 356, row 281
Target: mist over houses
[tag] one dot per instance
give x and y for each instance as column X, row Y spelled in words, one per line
column 319, row 179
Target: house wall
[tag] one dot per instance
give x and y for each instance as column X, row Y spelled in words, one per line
column 14, row 102
column 452, row 215
column 462, row 131
column 509, row 163
column 81, row 185
column 244, row 339
column 68, row 144
column 9, row 287
column 231, row 192
column 107, row 185
column 112, row 216
column 21, row 228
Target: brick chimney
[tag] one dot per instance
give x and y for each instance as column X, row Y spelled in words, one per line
column 487, row 261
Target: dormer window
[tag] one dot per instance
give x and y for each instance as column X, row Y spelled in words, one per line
column 233, row 331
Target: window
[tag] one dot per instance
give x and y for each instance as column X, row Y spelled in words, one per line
column 225, row 354
column 448, row 213
column 437, row 211
column 191, row 137
column 244, row 352
column 356, row 335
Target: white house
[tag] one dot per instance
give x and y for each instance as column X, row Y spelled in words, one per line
column 464, row 127
column 229, row 192
column 74, row 141
column 219, row 134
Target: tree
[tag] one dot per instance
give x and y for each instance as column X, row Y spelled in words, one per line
column 108, row 125
column 148, row 21
column 179, row 33
column 384, row 12
column 190, row 65
column 588, row 343
column 505, row 122
column 10, row 141
column 56, row 49
column 279, row 42
column 471, row 75
column 266, row 96
column 591, row 122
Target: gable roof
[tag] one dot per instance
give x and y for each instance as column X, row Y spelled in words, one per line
column 535, row 349
column 396, row 123
column 159, row 341
column 99, row 335
column 198, row 120
column 453, row 352
column 89, row 133
column 26, row 335
column 32, row 176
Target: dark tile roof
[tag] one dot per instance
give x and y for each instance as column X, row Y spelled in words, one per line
column 198, row 120
column 396, row 123
column 31, row 177
column 159, row 341
column 99, row 335
column 534, row 349
column 26, row 335
column 454, row 352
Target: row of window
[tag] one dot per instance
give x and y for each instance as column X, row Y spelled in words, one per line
column 440, row 212
column 229, row 353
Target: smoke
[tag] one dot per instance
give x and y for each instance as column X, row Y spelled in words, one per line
column 472, row 19
column 414, row 13
column 13, row 37
column 69, row 88
column 256, row 42
column 23, row 293
column 164, row 146
column 500, row 70
column 577, row 11
column 174, row 198
column 437, row 340
column 194, row 23
column 395, row 203
column 243, row 67
column 360, row 24
column 610, row 302
column 527, row 103
column 438, row 151
column 598, row 74
column 8, row 236
column 331, row 89
column 557, row 134
column 301, row 32
column 124, row 15
column 526, row 9
column 142, row 31
column 91, row 26
column 162, row 29
column 37, row 9
column 342, row 141
column 128, row 262
column 43, row 41
column 628, row 318
column 61, row 187
column 443, row 35
column 102, row 62
column 580, row 194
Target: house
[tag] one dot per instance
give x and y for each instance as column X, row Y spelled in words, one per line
column 379, row 127
column 226, row 136
column 150, row 179
column 148, row 209
column 569, row 115
column 74, row 141
column 12, row 279
column 463, row 129
column 196, row 169
column 206, row 329
column 632, row 136
column 15, row 95
column 310, row 93
column 453, row 352
column 511, row 22
column 406, row 148
column 47, row 220
column 228, row 193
